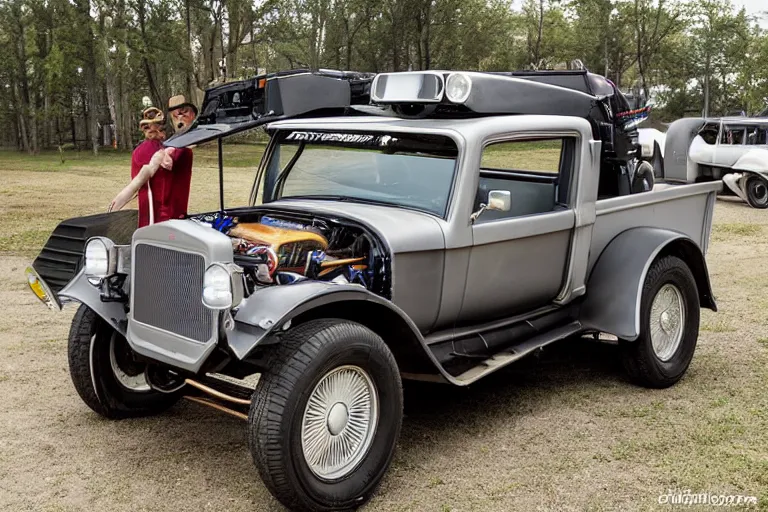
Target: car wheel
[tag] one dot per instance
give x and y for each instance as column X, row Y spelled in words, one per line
column 658, row 162
column 326, row 416
column 757, row 191
column 105, row 373
column 644, row 180
column 669, row 326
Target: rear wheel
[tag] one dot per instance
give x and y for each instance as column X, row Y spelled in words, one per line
column 669, row 326
column 105, row 372
column 326, row 416
column 658, row 162
column 644, row 179
column 757, row 191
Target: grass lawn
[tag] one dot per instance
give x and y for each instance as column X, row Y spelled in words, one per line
column 563, row 431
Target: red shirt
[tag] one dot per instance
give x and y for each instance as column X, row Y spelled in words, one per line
column 170, row 189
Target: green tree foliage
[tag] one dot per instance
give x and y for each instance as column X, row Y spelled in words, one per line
column 75, row 72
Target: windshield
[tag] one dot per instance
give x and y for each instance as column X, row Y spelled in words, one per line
column 413, row 171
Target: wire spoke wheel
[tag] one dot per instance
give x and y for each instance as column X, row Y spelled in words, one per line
column 339, row 422
column 667, row 321
column 128, row 372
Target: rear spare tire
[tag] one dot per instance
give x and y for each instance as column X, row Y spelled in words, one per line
column 326, row 416
column 669, row 326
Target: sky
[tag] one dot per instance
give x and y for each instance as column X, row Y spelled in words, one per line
column 754, row 7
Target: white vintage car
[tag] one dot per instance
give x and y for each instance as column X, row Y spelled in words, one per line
column 731, row 149
column 736, row 150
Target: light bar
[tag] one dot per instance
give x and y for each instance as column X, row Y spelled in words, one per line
column 405, row 87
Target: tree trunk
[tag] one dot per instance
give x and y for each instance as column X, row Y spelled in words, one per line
column 151, row 82
column 190, row 56
column 537, row 53
column 707, row 65
column 21, row 119
column 23, row 98
column 72, row 122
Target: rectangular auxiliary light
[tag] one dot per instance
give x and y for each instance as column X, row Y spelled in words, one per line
column 410, row 87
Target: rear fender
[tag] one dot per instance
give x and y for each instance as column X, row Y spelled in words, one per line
column 614, row 289
column 81, row 290
column 262, row 317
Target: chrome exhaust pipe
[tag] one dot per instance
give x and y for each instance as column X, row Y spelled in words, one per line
column 217, row 396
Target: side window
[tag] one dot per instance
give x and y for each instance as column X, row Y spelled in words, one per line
column 536, row 173
column 540, row 156
column 709, row 133
column 733, row 135
column 757, row 135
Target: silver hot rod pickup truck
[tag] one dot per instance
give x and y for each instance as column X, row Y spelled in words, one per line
column 438, row 229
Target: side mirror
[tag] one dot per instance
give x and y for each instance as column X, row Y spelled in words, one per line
column 498, row 200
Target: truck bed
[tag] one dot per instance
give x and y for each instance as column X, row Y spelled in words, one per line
column 686, row 208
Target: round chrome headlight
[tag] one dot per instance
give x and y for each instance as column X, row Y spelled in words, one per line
column 217, row 287
column 99, row 258
column 458, row 87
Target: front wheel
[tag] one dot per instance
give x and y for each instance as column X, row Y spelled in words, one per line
column 756, row 188
column 105, row 372
column 669, row 326
column 326, row 416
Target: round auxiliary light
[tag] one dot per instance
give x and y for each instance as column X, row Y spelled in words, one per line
column 97, row 258
column 458, row 87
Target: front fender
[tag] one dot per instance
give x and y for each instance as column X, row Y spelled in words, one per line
column 81, row 290
column 614, row 288
column 755, row 160
column 269, row 311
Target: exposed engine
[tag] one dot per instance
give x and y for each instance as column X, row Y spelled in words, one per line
column 276, row 248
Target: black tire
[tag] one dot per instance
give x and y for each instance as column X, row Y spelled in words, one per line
column 641, row 362
column 644, row 179
column 306, row 354
column 757, row 191
column 90, row 341
column 657, row 162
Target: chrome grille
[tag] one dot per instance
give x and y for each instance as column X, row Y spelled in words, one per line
column 167, row 292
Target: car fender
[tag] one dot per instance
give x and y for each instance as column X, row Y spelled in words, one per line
column 82, row 291
column 754, row 160
column 261, row 318
column 648, row 139
column 615, row 285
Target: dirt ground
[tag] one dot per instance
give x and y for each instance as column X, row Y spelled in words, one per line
column 561, row 431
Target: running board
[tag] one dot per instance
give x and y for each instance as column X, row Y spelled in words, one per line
column 517, row 352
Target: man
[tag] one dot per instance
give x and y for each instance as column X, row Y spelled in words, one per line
column 162, row 174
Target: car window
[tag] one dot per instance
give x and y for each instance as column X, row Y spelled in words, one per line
column 733, row 135
column 536, row 156
column 535, row 173
column 757, row 135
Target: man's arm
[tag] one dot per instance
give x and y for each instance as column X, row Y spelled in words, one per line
column 161, row 158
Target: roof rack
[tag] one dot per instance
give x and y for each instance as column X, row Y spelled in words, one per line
column 237, row 106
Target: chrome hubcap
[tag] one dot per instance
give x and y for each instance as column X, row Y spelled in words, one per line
column 759, row 191
column 129, row 379
column 667, row 320
column 339, row 422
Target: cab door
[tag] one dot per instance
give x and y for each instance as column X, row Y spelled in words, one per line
column 519, row 260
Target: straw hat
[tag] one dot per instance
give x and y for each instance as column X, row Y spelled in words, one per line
column 179, row 101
